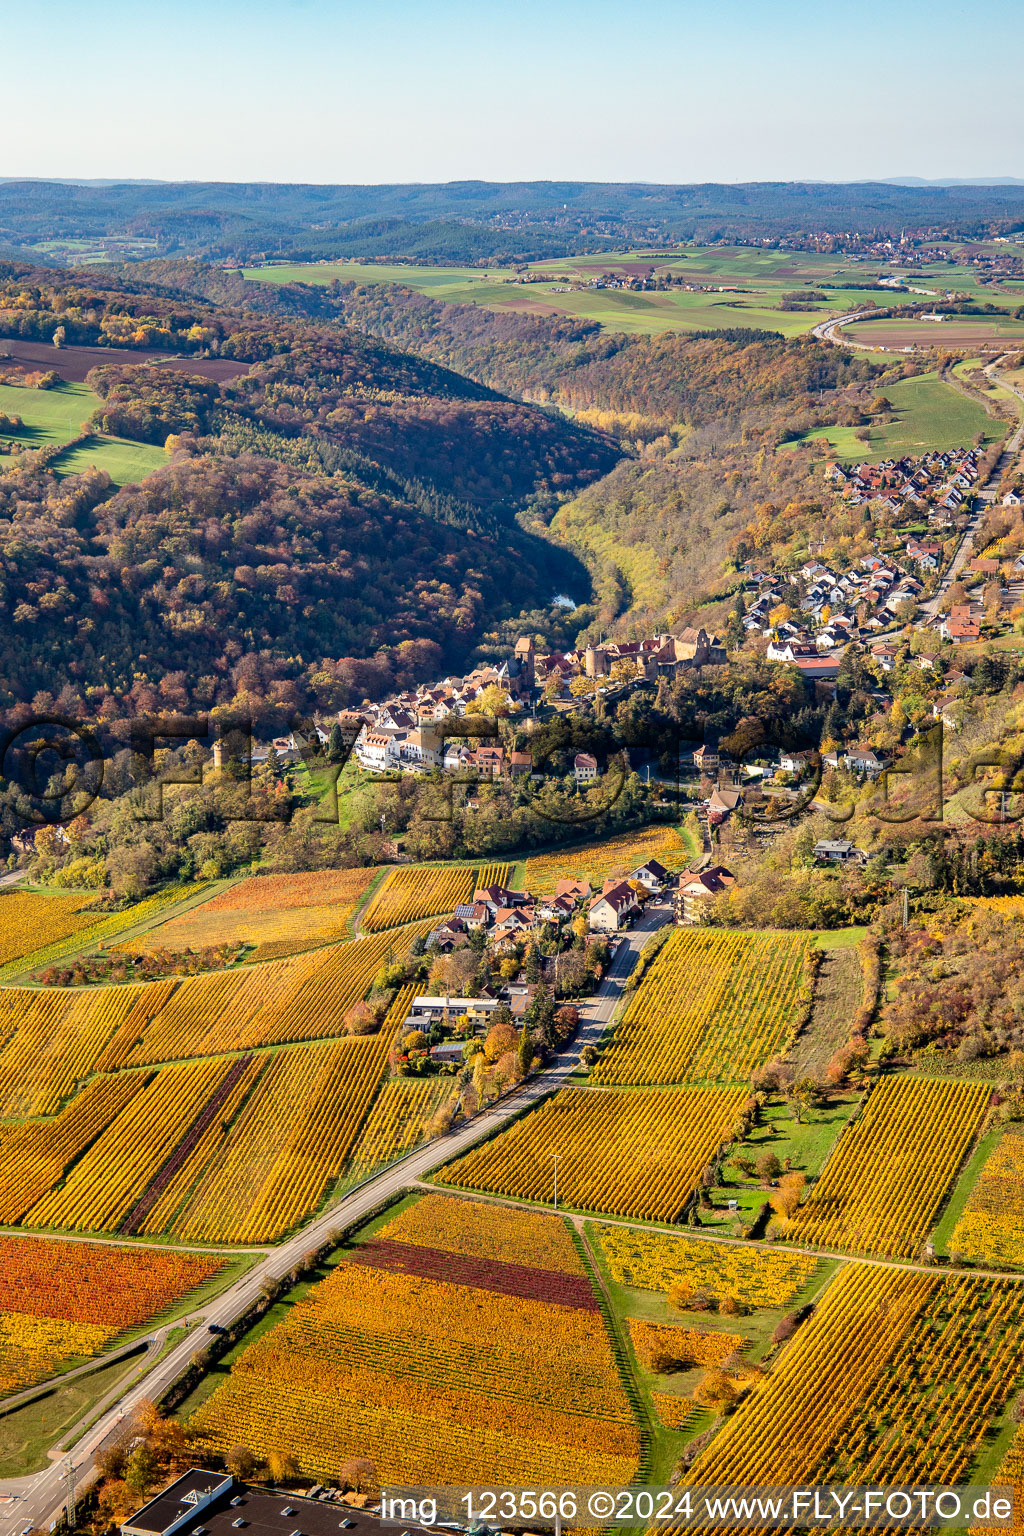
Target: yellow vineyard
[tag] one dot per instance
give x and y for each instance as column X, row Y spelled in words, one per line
column 713, row 1007
column 55, row 1038
column 597, row 862
column 233, row 1148
column 893, row 1379
column 664, row 1349
column 97, row 931
column 480, row 1231
column 991, row 1226
column 398, row 1120
column 25, row 916
column 408, row 894
column 277, row 913
column 655, row 1261
column 624, row 1153
column 291, row 1141
column 432, row 1381
column 882, row 1187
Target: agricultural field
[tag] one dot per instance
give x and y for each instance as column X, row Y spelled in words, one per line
column 61, row 1303
column 990, row 1229
column 738, row 286
column 599, row 861
column 713, row 1006
column 928, row 414
column 514, row 1362
column 223, row 1148
column 627, row 1154
column 894, row 1379
column 881, row 1189
column 398, row 1121
column 278, row 914
column 655, row 1261
column 26, row 914
column 57, row 1036
column 1010, row 1474
column 408, row 894
column 96, row 932
column 664, row 1349
column 290, row 1143
column 58, row 415
column 988, row 333
column 233, row 1150
column 480, row 1231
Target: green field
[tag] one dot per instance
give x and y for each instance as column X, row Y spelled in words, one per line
column 764, row 276
column 927, row 413
column 53, row 416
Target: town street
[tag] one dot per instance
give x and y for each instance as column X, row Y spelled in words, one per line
column 36, row 1501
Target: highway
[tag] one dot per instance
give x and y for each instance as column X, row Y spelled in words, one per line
column 827, row 330
column 36, row 1501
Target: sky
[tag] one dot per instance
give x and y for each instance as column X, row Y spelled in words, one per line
column 440, row 90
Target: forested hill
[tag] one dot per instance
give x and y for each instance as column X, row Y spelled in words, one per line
column 319, row 396
column 672, row 378
column 330, row 501
column 705, row 415
column 466, row 221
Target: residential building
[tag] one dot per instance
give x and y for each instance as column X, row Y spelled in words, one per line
column 652, row 875
column 612, row 908
column 838, row 851
column 696, row 889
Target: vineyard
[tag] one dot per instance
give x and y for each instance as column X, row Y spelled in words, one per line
column 487, row 1232
column 25, row 915
column 712, row 1007
column 655, row 1261
column 55, row 1038
column 599, row 861
column 882, row 1187
column 409, row 894
column 1010, row 1475
column 228, row 1148
column 35, row 1157
column 115, row 1172
column 991, row 1227
column 292, row 1139
column 277, row 913
column 674, row 1412
column 63, row 1301
column 221, row 1151
column 894, row 1379
column 624, row 1153
column 664, row 1349
column 398, row 1121
column 375, row 1359
column 97, row 931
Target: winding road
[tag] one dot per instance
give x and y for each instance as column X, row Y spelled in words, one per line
column 35, row 1501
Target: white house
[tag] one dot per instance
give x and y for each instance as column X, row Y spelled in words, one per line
column 838, row 851
column 609, row 910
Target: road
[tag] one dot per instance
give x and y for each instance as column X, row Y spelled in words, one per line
column 828, row 330
column 37, row 1500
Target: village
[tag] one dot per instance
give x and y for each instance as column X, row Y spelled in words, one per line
column 810, row 616
column 562, row 943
